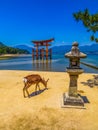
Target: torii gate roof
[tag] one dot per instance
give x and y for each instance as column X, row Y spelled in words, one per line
column 43, row 42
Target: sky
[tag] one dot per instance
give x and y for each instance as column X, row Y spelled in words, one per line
column 22, row 21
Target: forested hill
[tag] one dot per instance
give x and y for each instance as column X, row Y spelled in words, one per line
column 10, row 50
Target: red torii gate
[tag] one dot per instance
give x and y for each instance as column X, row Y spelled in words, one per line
column 42, row 52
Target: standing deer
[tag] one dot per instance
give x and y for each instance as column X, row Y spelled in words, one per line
column 33, row 79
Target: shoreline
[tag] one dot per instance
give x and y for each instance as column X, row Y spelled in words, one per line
column 41, row 63
column 8, row 56
column 89, row 65
column 45, row 71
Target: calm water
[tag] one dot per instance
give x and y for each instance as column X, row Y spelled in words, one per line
column 58, row 63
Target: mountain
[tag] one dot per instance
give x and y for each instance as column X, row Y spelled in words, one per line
column 61, row 49
column 4, row 49
column 56, row 49
column 25, row 47
column 89, row 49
column 65, row 48
column 2, row 45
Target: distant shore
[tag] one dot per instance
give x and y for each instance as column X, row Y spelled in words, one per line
column 8, row 56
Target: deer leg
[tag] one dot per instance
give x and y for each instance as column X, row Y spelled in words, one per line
column 24, row 92
column 36, row 88
column 25, row 89
column 39, row 87
column 27, row 92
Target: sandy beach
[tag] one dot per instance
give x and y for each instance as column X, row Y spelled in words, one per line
column 43, row 111
column 8, row 56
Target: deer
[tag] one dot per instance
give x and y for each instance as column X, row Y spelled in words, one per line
column 33, row 79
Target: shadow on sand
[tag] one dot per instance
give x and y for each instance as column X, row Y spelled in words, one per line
column 91, row 82
column 85, row 99
column 37, row 92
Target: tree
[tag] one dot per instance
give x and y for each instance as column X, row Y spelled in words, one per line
column 10, row 50
column 90, row 21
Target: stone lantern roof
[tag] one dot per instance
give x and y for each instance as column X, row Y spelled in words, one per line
column 75, row 52
column 74, row 56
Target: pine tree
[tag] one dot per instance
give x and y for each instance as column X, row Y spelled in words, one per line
column 90, row 21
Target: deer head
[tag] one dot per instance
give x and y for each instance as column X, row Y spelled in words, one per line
column 45, row 82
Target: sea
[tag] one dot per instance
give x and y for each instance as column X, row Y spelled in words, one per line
column 58, row 63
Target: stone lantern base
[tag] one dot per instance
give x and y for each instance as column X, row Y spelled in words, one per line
column 69, row 101
column 71, row 98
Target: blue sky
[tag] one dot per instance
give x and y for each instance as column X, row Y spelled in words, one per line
column 22, row 21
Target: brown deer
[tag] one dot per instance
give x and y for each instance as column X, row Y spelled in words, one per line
column 33, row 79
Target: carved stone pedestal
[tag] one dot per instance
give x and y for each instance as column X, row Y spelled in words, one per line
column 73, row 75
column 72, row 101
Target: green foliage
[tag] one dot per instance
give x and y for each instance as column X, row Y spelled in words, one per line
column 89, row 21
column 9, row 50
column 92, row 38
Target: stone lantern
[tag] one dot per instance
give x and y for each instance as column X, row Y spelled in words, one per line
column 74, row 69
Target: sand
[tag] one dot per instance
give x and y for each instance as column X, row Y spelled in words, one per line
column 8, row 56
column 43, row 111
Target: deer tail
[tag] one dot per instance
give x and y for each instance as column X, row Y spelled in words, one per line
column 24, row 80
